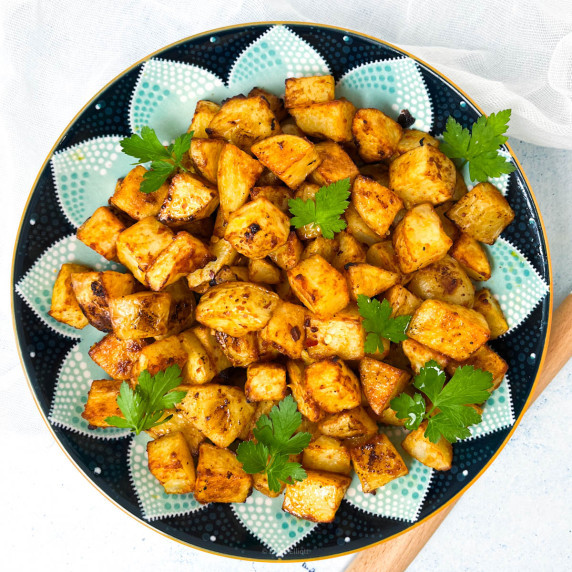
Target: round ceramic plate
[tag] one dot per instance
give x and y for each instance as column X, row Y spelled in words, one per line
column 80, row 175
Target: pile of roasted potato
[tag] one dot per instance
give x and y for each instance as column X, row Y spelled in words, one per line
column 252, row 310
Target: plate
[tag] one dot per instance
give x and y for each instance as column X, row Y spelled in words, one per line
column 79, row 175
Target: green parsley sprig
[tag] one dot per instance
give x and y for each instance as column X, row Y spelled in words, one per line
column 468, row 386
column 275, row 442
column 144, row 406
column 164, row 160
column 479, row 147
column 324, row 210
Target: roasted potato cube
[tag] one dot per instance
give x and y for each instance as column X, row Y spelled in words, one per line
column 257, row 229
column 327, row 454
column 212, row 347
column 171, row 463
column 325, row 247
column 94, row 290
column 220, row 477
column 225, row 254
column 423, row 175
column 355, row 423
column 306, row 90
column 487, row 360
column 100, row 232
column 289, row 254
column 178, row 423
column 102, row 402
column 376, row 204
column 382, row 254
column 369, row 280
column 488, row 306
column 450, row 229
column 265, row 382
column 333, row 385
column 358, row 228
column 412, row 138
column 289, row 157
column 418, row 355
column 202, row 228
column 335, row 165
column 220, row 412
column 205, row 154
column 472, row 257
column 381, row 382
column 236, row 308
column 379, row 172
column 275, row 102
column 460, row 187
column 377, row 463
column 118, row 358
column 182, row 312
column 443, row 280
column 140, row 315
column 285, row 329
column 438, row 456
column 376, row 135
column 243, row 121
column 402, row 301
column 419, row 239
column 317, row 497
column 277, row 195
column 262, row 271
column 483, row 213
column 453, row 330
column 160, row 355
column 129, row 199
column 64, row 307
column 305, row 192
column 199, row 367
column 239, row 351
column 349, row 251
column 204, row 113
column 319, row 286
column 140, row 244
column 327, row 120
column 307, row 406
column 289, row 127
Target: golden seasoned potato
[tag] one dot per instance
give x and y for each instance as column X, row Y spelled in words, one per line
column 483, row 213
column 325, row 247
column 460, row 187
column 402, row 301
column 118, row 358
column 326, row 120
column 225, row 254
column 333, row 385
column 319, row 286
column 202, row 228
column 376, row 204
column 140, row 244
column 327, row 454
column 419, row 239
column 453, row 330
column 317, row 497
column 352, row 424
column 289, row 157
column 225, row 274
column 307, row 406
column 212, row 347
column 257, row 228
column 487, row 360
column 418, row 355
column 140, row 315
column 369, row 280
column 349, row 251
column 265, row 382
column 171, row 463
column 178, row 423
column 101, row 231
column 306, row 90
column 102, row 402
column 443, row 280
column 382, row 254
column 285, row 329
column 220, row 412
column 160, row 355
column 64, row 307
column 438, row 456
column 205, row 154
column 204, row 113
column 412, row 138
column 199, row 367
column 275, row 102
column 262, row 271
column 472, row 257
column 381, row 382
column 488, row 306
column 450, row 229
column 276, row 194
column 376, row 135
column 379, row 172
column 129, row 199
column 335, row 165
column 358, row 228
column 423, row 175
column 220, row 476
column 236, row 308
column 289, row 254
column 182, row 312
column 289, row 127
column 239, row 351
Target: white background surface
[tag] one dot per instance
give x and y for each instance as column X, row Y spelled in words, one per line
column 55, row 56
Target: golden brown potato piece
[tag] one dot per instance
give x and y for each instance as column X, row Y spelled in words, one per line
column 325, row 247
column 488, row 306
column 472, row 257
column 275, row 102
column 450, row 329
column 265, row 382
column 402, row 301
column 413, row 138
column 376, row 204
column 289, row 254
column 262, row 271
column 306, row 90
column 358, row 228
column 335, row 165
column 116, row 357
column 438, row 456
column 239, row 351
column 349, row 251
column 289, row 127
column 376, row 135
column 182, row 312
column 289, row 157
column 102, row 402
column 381, row 382
column 205, row 154
column 199, row 367
column 202, row 228
column 327, row 454
column 129, row 199
column 382, row 254
column 327, row 120
column 487, row 360
column 369, row 280
column 443, row 280
column 423, row 175
column 220, row 477
column 225, row 254
column 352, row 424
column 483, row 213
column 204, row 113
column 379, row 172
column 64, row 307
column 160, row 355
column 277, row 195
column 178, row 423
column 307, row 406
column 171, row 463
column 101, row 231
column 418, row 355
column 317, row 497
column 319, row 286
column 419, row 239
column 209, row 342
column 285, row 329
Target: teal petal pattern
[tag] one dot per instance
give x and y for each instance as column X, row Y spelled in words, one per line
column 497, row 412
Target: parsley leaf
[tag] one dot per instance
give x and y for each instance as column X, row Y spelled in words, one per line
column 379, row 324
column 325, row 210
column 164, row 161
column 410, row 408
column 275, row 442
column 479, row 147
column 144, row 406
